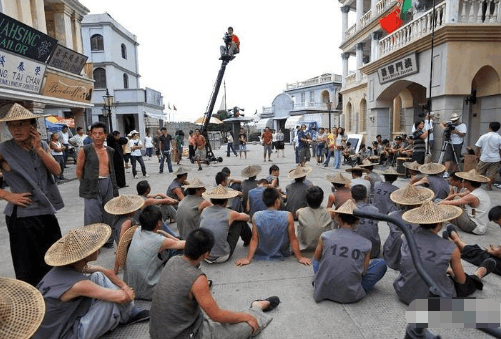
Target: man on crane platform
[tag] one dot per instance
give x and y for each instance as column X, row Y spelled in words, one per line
column 232, row 43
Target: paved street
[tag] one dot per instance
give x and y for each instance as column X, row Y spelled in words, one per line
column 379, row 315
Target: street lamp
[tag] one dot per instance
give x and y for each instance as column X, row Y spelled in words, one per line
column 329, row 107
column 109, row 101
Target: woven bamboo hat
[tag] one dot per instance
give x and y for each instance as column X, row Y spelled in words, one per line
column 357, row 168
column 299, row 172
column 220, row 192
column 414, row 166
column 347, row 208
column 13, row 112
column 390, row 171
column 337, row 178
column 251, row 171
column 124, row 204
column 77, row 244
column 411, row 195
column 195, row 183
column 22, row 309
column 431, row 213
column 472, row 175
column 367, row 163
column 123, row 246
column 181, row 170
column 431, row 168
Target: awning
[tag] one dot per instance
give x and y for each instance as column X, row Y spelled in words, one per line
column 291, row 122
column 263, row 123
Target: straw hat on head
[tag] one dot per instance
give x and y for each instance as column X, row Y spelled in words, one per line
column 472, row 175
column 367, row 163
column 124, row 204
column 431, row 168
column 77, row 244
column 123, row 246
column 337, row 178
column 299, row 172
column 454, row 117
column 251, row 171
column 181, row 170
column 22, row 309
column 431, row 213
column 411, row 195
column 220, row 192
column 390, row 171
column 347, row 208
column 195, row 183
column 414, row 166
column 14, row 112
column 365, row 170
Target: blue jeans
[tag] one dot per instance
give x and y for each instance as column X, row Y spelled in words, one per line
column 329, row 155
column 230, row 148
column 375, row 272
column 166, row 157
column 337, row 159
column 133, row 159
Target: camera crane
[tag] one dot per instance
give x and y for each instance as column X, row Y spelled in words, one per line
column 209, row 155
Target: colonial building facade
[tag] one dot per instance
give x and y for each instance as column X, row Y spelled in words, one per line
column 113, row 51
column 391, row 81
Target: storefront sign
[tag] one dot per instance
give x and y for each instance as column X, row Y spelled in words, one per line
column 20, row 73
column 24, row 40
column 154, row 97
column 66, row 88
column 398, row 69
column 67, row 59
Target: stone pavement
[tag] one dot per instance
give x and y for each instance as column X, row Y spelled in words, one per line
column 379, row 315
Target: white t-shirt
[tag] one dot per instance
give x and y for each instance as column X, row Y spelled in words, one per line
column 456, row 139
column 490, row 144
column 148, row 142
column 66, row 137
column 135, row 142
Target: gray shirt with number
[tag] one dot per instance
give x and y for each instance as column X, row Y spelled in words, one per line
column 368, row 228
column 382, row 200
column 341, row 267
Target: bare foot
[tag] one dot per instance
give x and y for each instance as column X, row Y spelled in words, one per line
column 262, row 304
column 457, row 240
column 481, row 272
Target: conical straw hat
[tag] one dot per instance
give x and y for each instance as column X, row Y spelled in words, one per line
column 13, row 112
column 366, row 163
column 431, row 168
column 347, row 208
column 299, row 172
column 123, row 246
column 357, row 168
column 22, row 309
column 431, row 213
column 124, row 204
column 251, row 171
column 390, row 171
column 220, row 192
column 412, row 165
column 411, row 195
column 181, row 170
column 337, row 178
column 472, row 175
column 195, row 183
column 77, row 244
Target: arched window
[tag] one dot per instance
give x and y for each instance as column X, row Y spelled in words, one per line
column 124, row 51
column 126, row 81
column 96, row 42
column 100, row 78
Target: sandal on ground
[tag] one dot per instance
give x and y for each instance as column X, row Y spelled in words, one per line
column 274, row 302
column 489, row 265
column 448, row 231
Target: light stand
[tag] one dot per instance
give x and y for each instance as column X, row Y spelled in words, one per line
column 109, row 101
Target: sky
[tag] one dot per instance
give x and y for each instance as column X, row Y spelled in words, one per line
column 281, row 42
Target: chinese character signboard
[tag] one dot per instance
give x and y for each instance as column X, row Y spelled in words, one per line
column 67, row 88
column 154, row 97
column 68, row 60
column 21, row 39
column 20, row 73
column 398, row 69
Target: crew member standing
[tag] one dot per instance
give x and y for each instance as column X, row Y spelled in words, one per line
column 199, row 148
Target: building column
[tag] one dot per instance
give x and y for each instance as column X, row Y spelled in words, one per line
column 375, row 45
column 38, row 16
column 77, row 33
column 345, row 57
column 360, row 12
column 62, row 24
column 344, row 20
column 374, row 8
column 360, row 55
column 79, row 117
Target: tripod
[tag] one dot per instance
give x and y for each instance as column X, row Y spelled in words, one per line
column 442, row 153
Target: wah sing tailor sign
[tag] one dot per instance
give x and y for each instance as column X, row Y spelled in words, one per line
column 67, row 60
column 20, row 73
column 66, row 88
column 398, row 69
column 21, row 39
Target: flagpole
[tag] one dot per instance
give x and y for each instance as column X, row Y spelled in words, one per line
column 428, row 104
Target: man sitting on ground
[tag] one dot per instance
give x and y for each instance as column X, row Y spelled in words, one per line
column 255, row 199
column 296, row 192
column 434, row 179
column 341, row 192
column 175, row 190
column 190, row 208
column 457, row 189
column 313, row 220
column 273, row 177
column 272, row 233
column 227, row 225
column 357, row 179
column 143, row 189
column 250, row 172
column 183, row 292
column 367, row 228
column 382, row 191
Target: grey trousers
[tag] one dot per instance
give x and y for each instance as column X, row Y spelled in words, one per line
column 464, row 222
column 213, row 330
column 103, row 316
column 94, row 208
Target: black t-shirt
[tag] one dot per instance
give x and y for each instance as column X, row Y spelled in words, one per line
column 242, row 139
column 165, row 142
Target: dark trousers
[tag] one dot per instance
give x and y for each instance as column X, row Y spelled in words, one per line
column 30, row 238
column 230, row 147
column 60, row 160
column 191, row 152
column 139, row 159
column 239, row 229
column 166, row 157
column 471, row 284
column 65, row 153
column 475, row 255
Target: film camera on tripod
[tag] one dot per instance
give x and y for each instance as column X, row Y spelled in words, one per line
column 454, row 132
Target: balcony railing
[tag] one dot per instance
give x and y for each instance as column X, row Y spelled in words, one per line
column 383, row 5
column 473, row 11
column 365, row 19
column 414, row 30
column 316, row 81
column 350, row 32
column 310, row 105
